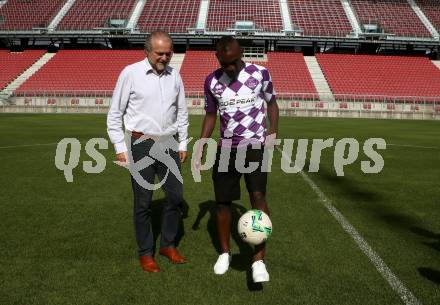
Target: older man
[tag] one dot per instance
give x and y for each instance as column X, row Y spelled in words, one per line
column 149, row 100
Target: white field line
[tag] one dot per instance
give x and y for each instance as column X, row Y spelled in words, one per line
column 404, row 293
column 30, row 145
column 413, row 146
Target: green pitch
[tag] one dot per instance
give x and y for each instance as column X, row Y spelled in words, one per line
column 73, row 243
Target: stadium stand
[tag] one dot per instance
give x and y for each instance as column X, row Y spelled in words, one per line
column 431, row 8
column 320, row 17
column 394, row 16
column 170, row 16
column 291, row 77
column 90, row 14
column 325, row 84
column 13, row 64
column 288, row 81
column 86, row 71
column 265, row 14
column 195, row 67
column 388, row 76
column 25, row 14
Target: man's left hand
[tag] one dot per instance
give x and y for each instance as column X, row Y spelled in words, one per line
column 182, row 156
column 271, row 139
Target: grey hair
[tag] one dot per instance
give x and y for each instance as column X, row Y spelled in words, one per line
column 156, row 34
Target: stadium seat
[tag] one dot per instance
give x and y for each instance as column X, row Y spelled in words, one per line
column 394, row 16
column 287, row 81
column 265, row 14
column 195, row 68
column 25, row 15
column 169, row 16
column 90, row 14
column 381, row 78
column 431, row 8
column 14, row 63
column 81, row 72
column 319, row 17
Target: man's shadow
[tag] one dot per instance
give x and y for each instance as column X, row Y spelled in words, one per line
column 241, row 261
column 434, row 238
column 434, row 243
column 156, row 220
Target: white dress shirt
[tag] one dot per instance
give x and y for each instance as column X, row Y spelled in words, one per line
column 149, row 103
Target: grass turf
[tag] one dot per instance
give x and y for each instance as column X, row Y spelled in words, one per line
column 73, row 243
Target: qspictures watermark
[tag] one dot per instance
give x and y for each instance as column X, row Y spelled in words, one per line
column 345, row 152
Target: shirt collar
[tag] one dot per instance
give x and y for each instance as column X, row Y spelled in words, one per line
column 149, row 68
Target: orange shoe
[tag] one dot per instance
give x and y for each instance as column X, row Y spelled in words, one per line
column 173, row 255
column 148, row 263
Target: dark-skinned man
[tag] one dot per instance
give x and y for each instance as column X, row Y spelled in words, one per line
column 237, row 92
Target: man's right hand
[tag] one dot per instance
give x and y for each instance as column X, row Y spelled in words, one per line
column 122, row 157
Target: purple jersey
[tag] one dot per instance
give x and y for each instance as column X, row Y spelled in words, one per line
column 240, row 102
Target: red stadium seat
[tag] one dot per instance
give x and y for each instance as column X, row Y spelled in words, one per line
column 293, row 82
column 265, row 14
column 89, row 14
column 431, row 8
column 169, row 16
column 25, row 15
column 381, row 78
column 14, row 63
column 85, row 72
column 320, row 17
column 395, row 16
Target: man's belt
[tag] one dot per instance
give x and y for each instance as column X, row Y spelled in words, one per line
column 138, row 135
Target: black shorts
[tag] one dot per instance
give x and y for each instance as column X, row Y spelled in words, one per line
column 227, row 180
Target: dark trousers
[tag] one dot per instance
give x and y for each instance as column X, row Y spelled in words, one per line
column 171, row 212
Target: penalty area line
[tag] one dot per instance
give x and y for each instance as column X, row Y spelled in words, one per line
column 396, row 284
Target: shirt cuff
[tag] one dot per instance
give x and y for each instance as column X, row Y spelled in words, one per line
column 120, row 147
column 182, row 146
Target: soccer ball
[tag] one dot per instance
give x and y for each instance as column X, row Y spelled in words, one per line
column 254, row 227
